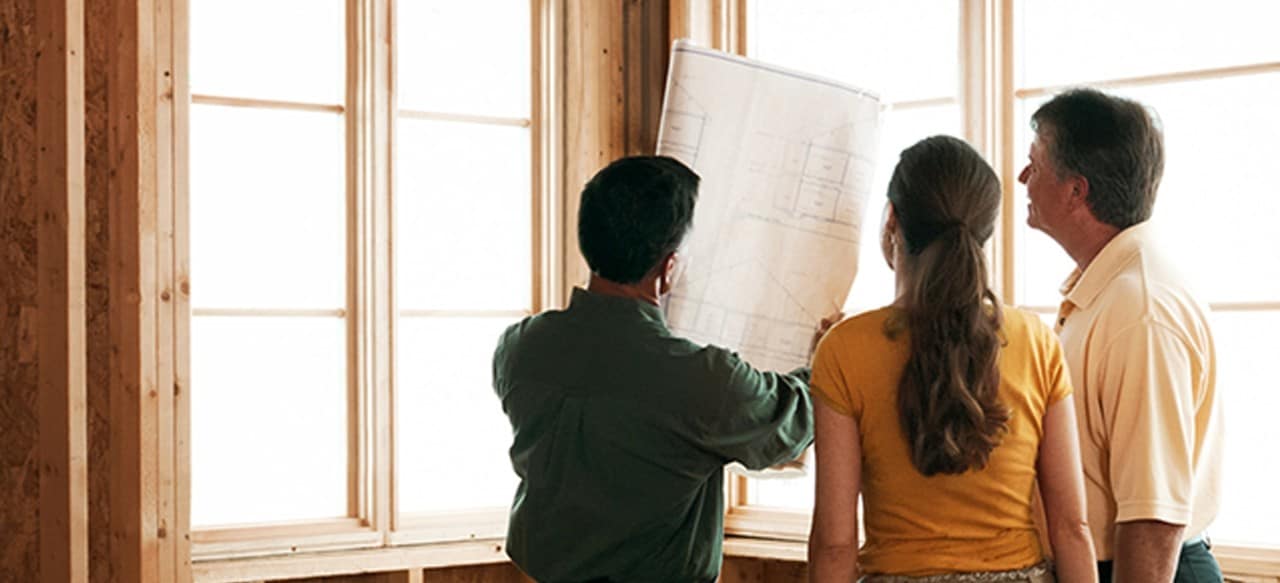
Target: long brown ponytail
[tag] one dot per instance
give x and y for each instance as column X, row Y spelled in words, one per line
column 945, row 198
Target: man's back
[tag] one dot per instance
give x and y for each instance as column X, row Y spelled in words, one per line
column 620, row 434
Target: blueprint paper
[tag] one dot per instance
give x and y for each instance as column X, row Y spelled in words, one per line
column 786, row 161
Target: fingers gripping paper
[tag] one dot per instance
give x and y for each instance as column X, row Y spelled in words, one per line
column 786, row 161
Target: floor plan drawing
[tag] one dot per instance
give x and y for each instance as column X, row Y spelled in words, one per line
column 786, row 160
column 682, row 123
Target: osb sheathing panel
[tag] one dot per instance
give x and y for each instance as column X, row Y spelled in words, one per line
column 97, row 34
column 19, row 437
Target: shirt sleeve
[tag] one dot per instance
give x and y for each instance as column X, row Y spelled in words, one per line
column 1057, row 381
column 829, row 383
column 1147, row 392
column 763, row 418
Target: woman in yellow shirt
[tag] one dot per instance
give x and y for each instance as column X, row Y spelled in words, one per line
column 945, row 409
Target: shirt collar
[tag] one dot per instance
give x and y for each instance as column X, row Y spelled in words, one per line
column 1084, row 286
column 615, row 305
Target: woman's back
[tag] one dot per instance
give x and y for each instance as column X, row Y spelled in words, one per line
column 979, row 520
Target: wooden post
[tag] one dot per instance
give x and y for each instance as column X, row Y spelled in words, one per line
column 60, row 187
column 614, row 71
column 145, row 444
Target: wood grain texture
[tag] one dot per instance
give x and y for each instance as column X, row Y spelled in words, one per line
column 615, row 73
column 19, row 317
column 97, row 174
column 60, row 190
column 749, row 570
column 141, row 440
column 493, row 573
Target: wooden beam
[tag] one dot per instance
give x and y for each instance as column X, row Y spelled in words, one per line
column 60, row 187
column 131, row 274
column 180, row 311
column 328, row 564
column 145, row 444
column 614, row 77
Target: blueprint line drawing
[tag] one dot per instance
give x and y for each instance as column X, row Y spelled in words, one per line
column 786, row 161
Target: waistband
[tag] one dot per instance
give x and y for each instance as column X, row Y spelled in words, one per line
column 1039, row 573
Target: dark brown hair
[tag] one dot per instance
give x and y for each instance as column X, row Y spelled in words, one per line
column 1114, row 143
column 633, row 213
column 946, row 198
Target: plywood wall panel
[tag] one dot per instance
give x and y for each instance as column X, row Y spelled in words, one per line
column 19, row 433
column 97, row 174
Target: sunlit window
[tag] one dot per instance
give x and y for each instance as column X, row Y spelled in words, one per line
column 268, row 209
column 280, row 419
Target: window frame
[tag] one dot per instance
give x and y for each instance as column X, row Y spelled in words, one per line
column 372, row 526
column 988, row 97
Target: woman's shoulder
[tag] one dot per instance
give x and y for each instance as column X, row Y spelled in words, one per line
column 1021, row 322
column 871, row 324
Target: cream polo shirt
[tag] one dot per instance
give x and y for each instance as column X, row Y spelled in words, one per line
column 1141, row 359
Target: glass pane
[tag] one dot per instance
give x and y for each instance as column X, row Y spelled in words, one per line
column 465, row 57
column 291, row 50
column 452, row 436
column 874, row 286
column 789, row 493
column 1138, row 37
column 268, row 208
column 268, row 419
column 901, row 49
column 463, row 209
column 1218, row 202
column 1247, row 385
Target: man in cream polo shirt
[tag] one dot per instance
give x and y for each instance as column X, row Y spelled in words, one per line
column 1137, row 341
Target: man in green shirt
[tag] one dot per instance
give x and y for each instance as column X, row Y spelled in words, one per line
column 622, row 429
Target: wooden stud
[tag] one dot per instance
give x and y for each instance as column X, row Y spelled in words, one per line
column 179, row 70
column 146, row 447
column 132, row 288
column 1003, row 132
column 61, row 337
column 165, row 376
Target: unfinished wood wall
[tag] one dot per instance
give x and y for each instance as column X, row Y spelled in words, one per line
column 43, row 519
column 97, row 172
column 19, row 412
column 119, row 52
column 615, row 67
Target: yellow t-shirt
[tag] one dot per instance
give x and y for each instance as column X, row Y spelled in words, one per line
column 976, row 521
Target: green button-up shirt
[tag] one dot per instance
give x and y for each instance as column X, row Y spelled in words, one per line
column 621, row 433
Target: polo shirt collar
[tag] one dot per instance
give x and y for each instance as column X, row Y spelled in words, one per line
column 1082, row 287
column 615, row 305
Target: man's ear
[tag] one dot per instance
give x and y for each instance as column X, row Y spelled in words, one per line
column 667, row 273
column 1079, row 191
